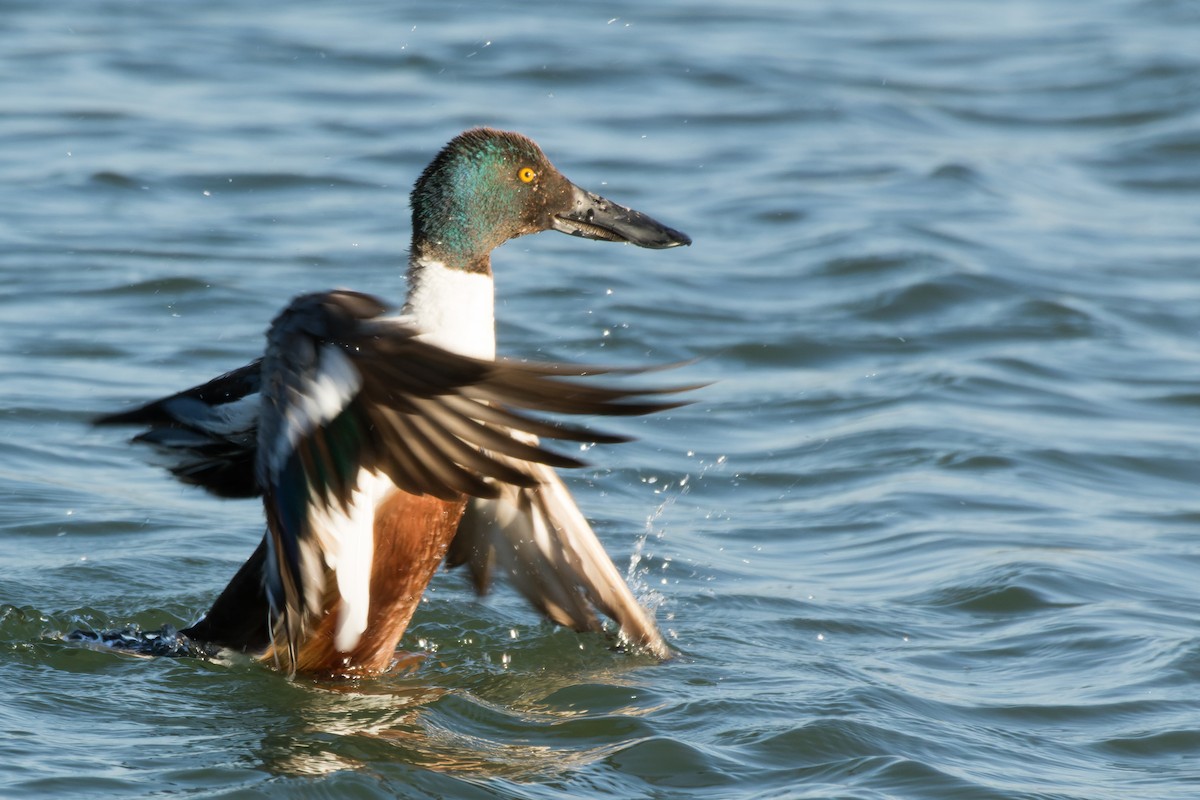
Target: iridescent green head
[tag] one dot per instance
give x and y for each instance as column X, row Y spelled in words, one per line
column 487, row 186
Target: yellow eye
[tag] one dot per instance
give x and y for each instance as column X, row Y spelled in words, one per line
column 526, row 174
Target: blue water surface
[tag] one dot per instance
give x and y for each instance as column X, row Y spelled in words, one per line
column 931, row 532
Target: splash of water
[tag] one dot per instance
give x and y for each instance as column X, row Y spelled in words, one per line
column 638, row 574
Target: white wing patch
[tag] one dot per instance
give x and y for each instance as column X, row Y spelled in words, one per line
column 347, row 539
column 226, row 419
column 334, row 386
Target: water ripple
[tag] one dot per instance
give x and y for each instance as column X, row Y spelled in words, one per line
column 929, row 533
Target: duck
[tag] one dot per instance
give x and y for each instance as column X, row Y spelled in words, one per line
column 385, row 442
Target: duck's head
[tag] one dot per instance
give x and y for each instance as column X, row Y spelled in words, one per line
column 487, row 186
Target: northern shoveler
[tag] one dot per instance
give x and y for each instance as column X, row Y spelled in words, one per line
column 383, row 445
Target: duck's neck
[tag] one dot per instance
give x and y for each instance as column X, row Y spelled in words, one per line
column 455, row 307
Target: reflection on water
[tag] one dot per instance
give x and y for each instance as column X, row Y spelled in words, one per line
column 513, row 725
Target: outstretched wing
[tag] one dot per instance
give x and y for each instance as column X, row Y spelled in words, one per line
column 205, row 435
column 538, row 538
column 352, row 401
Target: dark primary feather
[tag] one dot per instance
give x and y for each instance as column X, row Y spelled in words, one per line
column 189, row 429
column 227, row 388
column 433, row 421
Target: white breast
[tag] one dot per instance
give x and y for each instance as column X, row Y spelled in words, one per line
column 456, row 309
